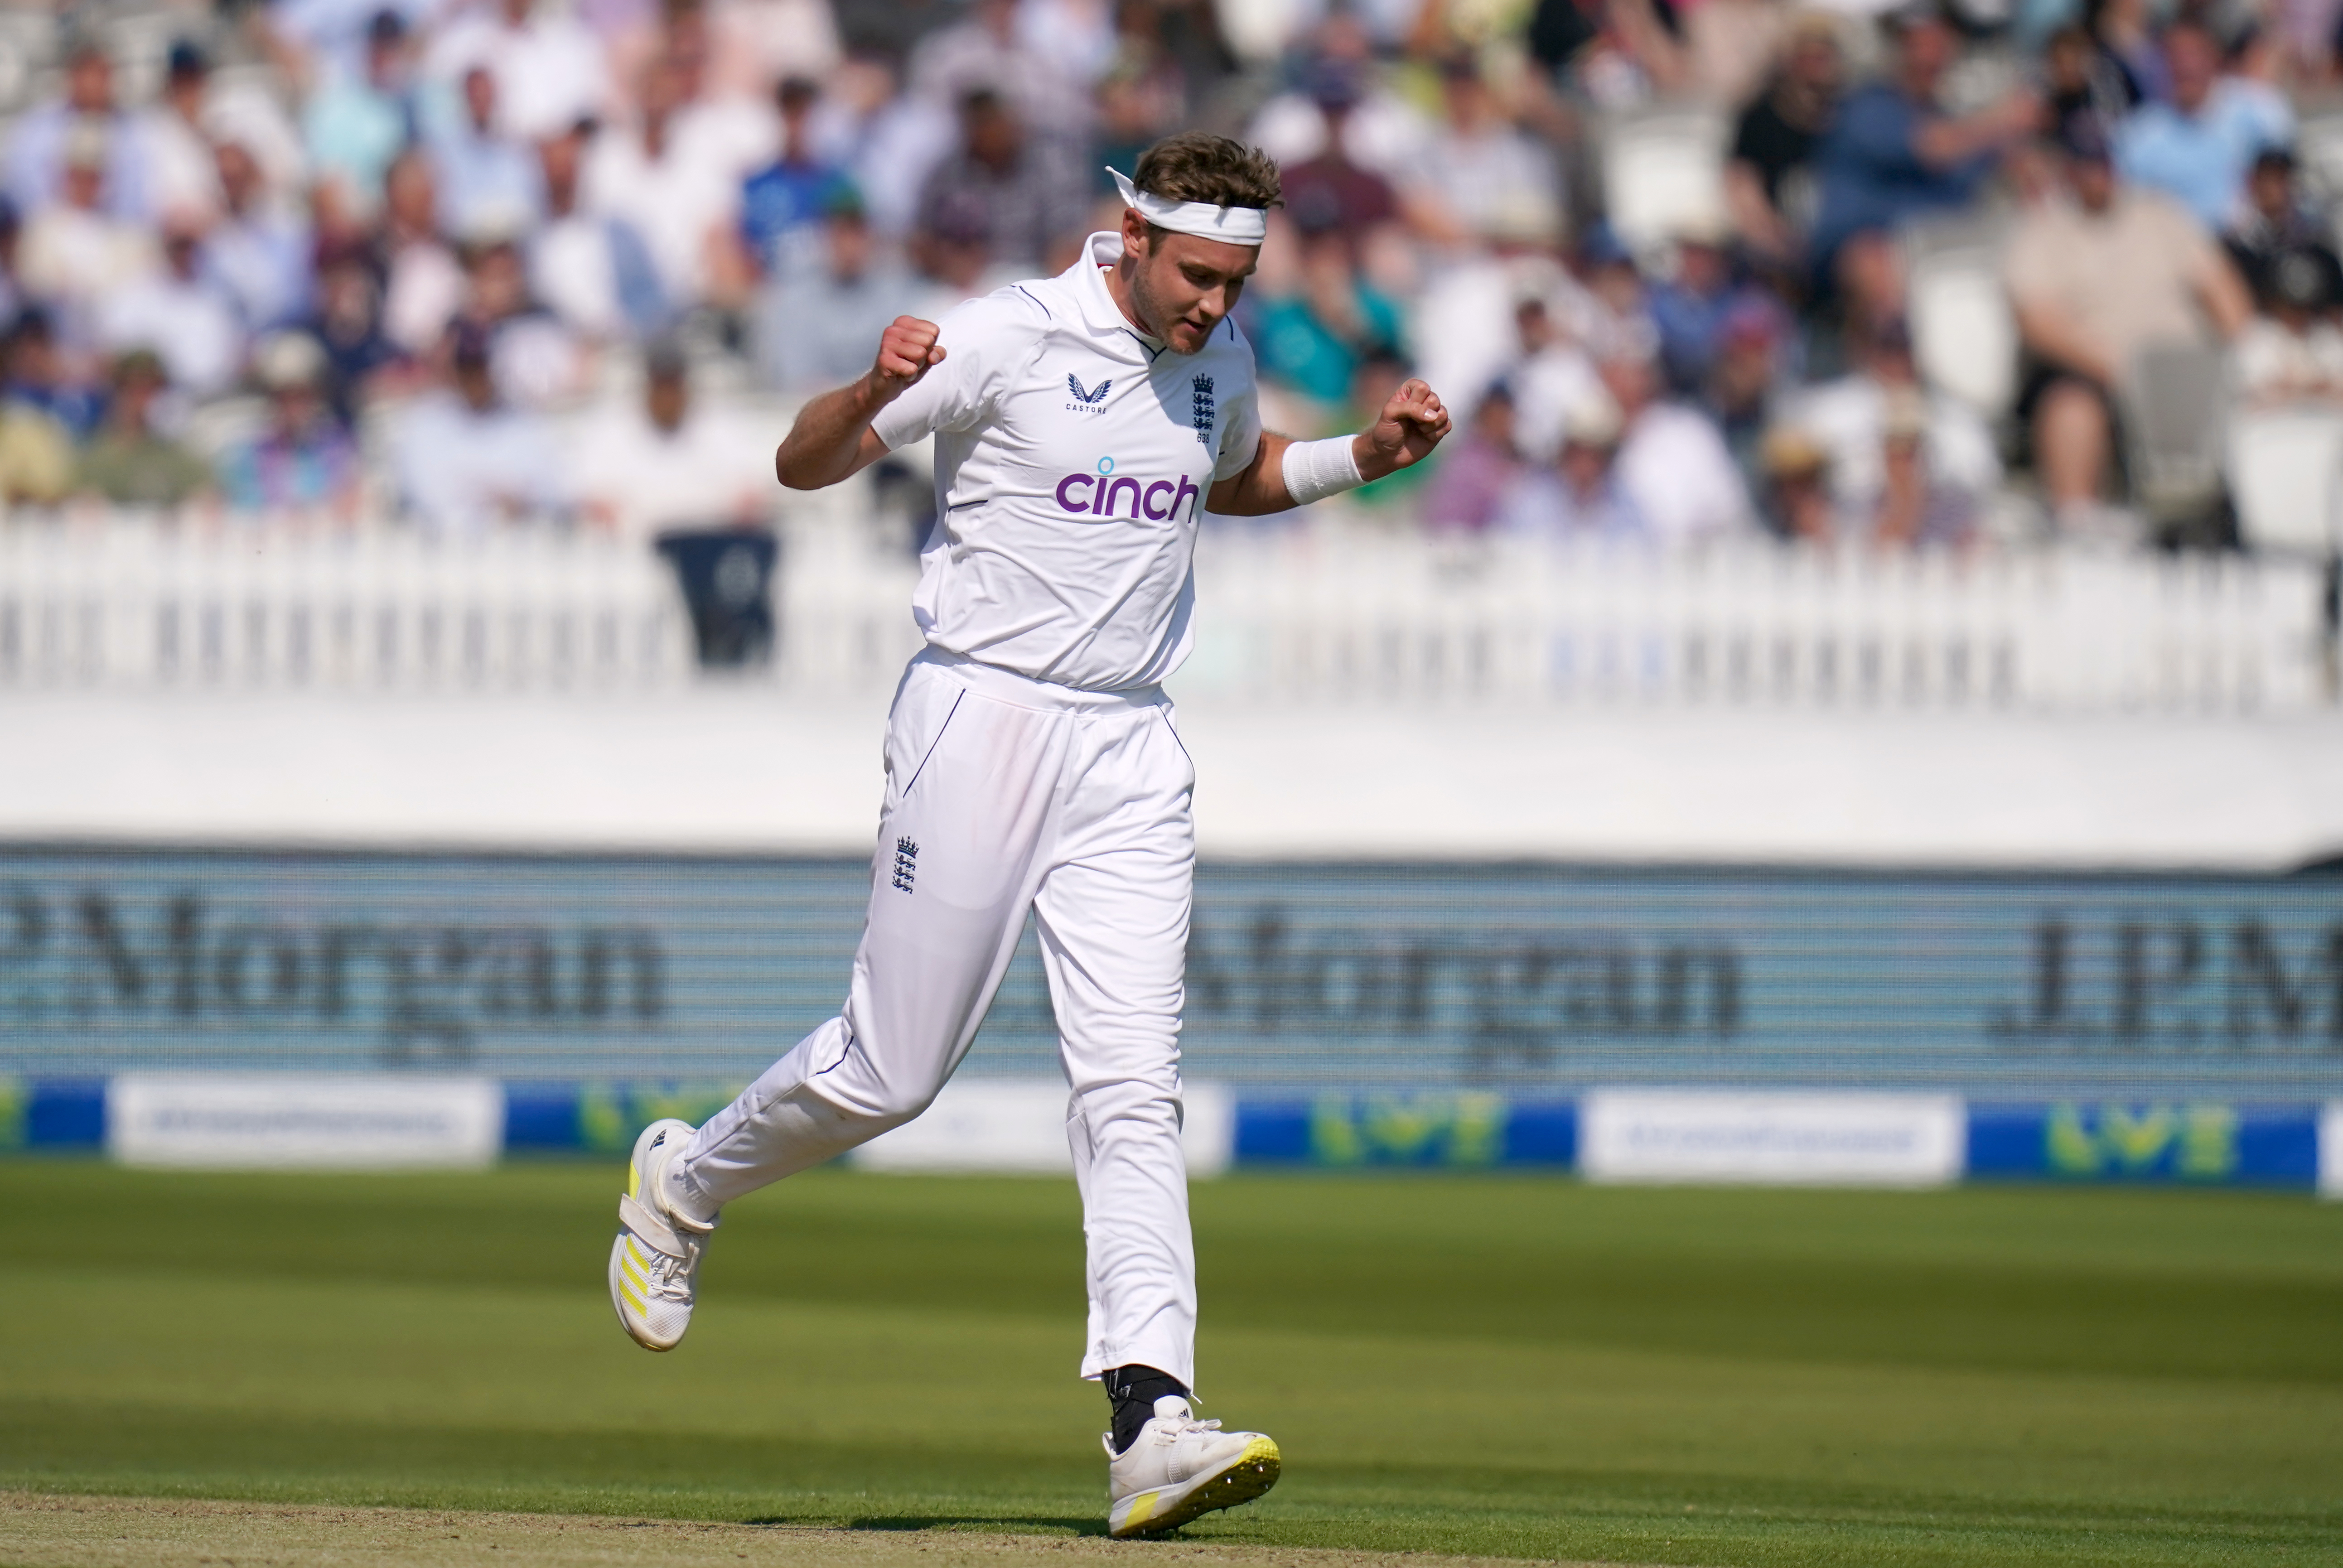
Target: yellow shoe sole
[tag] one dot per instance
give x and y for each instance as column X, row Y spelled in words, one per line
column 1252, row 1472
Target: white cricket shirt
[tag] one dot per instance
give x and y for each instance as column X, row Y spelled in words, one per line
column 1072, row 456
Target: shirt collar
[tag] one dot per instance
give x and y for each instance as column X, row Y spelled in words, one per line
column 1100, row 313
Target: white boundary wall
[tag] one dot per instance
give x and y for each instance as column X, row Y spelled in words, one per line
column 1317, row 613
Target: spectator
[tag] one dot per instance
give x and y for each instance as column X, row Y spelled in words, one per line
column 485, row 182
column 549, row 71
column 1850, row 418
column 818, row 325
column 1582, row 494
column 355, row 123
column 354, row 349
column 1919, row 504
column 889, row 140
column 753, row 43
column 186, row 177
column 671, row 463
column 320, row 40
column 1744, row 384
column 2291, row 352
column 593, row 272
column 1795, row 486
column 41, row 145
column 1140, row 100
column 954, row 251
column 1893, row 154
column 1029, row 186
column 1775, row 140
column 2277, row 223
column 1678, row 480
column 1689, row 307
column 38, row 376
column 186, row 317
column 733, row 135
column 36, row 457
column 1554, row 375
column 1475, row 479
column 644, row 177
column 2094, row 282
column 983, row 52
column 1479, row 173
column 2197, row 146
column 1313, row 340
column 2084, row 80
column 304, row 458
column 127, row 462
column 783, row 203
column 75, row 251
column 1329, row 191
column 1339, row 107
column 1611, row 312
column 422, row 284
column 198, row 112
column 465, row 462
column 261, row 250
column 2121, row 31
column 535, row 360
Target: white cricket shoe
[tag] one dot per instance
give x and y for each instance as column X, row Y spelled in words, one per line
column 1178, row 1468
column 655, row 1261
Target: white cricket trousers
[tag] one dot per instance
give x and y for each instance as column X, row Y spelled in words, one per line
column 1005, row 795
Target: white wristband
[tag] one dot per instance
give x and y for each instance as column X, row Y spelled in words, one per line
column 1316, row 469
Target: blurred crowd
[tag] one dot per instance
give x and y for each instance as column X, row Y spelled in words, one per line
column 489, row 263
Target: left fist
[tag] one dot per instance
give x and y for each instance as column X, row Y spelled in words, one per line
column 1412, row 424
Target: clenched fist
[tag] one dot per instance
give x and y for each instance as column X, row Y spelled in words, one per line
column 906, row 351
column 1412, row 424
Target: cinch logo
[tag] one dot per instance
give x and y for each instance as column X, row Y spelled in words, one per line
column 1106, row 493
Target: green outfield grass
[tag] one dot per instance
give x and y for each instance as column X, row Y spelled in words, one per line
column 1527, row 1367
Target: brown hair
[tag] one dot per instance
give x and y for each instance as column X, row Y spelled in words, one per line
column 1197, row 166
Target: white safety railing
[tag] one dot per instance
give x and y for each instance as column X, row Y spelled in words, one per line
column 1325, row 612
column 1318, row 616
column 130, row 604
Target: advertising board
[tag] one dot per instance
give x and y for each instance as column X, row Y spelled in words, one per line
column 1534, row 981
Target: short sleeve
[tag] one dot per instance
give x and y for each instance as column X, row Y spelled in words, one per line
column 1240, row 436
column 985, row 341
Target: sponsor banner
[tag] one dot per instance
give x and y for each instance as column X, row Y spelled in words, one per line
column 1456, row 1131
column 1019, row 1125
column 601, row 1118
column 251, row 1121
column 1531, row 983
column 2198, row 1143
column 2330, row 1150
column 1824, row 1139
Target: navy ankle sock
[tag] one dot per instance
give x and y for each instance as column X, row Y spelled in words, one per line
column 1133, row 1390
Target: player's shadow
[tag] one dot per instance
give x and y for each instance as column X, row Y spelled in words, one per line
column 1080, row 1524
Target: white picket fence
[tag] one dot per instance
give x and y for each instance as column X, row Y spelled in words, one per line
column 1304, row 616
column 1324, row 613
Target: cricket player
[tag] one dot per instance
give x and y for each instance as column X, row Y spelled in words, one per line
column 1081, row 424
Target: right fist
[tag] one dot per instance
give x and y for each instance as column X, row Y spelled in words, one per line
column 906, row 351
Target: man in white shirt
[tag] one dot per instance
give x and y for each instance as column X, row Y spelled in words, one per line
column 549, row 69
column 1081, row 424
column 668, row 461
column 1674, row 466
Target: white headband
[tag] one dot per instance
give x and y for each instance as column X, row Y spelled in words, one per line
column 1233, row 224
